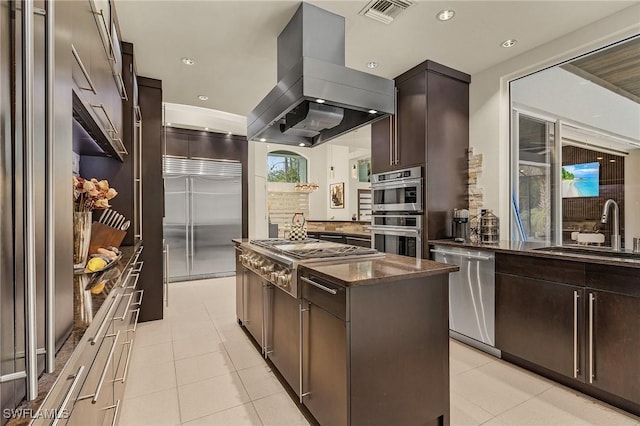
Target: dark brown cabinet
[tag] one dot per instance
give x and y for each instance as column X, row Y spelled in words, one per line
column 532, row 315
column 355, row 342
column 579, row 320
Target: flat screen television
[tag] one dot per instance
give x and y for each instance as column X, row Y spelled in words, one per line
column 581, row 180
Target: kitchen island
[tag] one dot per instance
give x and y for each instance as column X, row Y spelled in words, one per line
column 365, row 339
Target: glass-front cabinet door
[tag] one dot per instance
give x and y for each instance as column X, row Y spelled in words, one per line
column 534, row 181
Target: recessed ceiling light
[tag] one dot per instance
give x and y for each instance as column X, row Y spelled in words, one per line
column 301, row 144
column 188, row 61
column 509, row 43
column 263, row 140
column 372, row 64
column 229, row 133
column 203, row 97
column 599, row 158
column 612, row 161
column 373, row 111
column 168, row 124
column 320, row 101
column 445, row 15
column 206, row 128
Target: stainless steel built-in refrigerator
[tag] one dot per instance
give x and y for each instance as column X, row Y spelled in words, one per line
column 36, row 264
column 203, row 213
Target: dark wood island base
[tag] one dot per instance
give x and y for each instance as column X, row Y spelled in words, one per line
column 365, row 343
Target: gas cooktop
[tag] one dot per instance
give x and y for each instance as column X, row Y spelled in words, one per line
column 312, row 248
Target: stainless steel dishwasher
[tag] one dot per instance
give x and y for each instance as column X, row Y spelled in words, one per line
column 471, row 295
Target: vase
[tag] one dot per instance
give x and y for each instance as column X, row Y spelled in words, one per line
column 81, row 238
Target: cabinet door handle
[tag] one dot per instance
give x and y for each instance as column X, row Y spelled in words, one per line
column 391, row 139
column 591, row 303
column 135, row 321
column 92, row 86
column 111, row 55
column 121, row 88
column 126, row 309
column 576, row 296
column 301, row 343
column 67, row 397
column 106, row 319
column 126, row 363
column 396, row 132
column 114, row 131
column 320, row 286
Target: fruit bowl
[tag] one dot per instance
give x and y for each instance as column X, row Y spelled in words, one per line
column 102, row 262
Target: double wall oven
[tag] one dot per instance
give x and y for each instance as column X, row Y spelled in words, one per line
column 396, row 222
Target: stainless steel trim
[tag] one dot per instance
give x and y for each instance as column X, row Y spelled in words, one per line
column 13, row 376
column 50, row 333
column 139, row 146
column 191, row 248
column 397, row 175
column 591, row 302
column 112, row 50
column 466, row 255
column 126, row 309
column 96, row 395
column 135, row 322
column 262, row 343
column 391, row 123
column 245, row 306
column 106, row 320
column 29, row 199
column 67, row 397
column 575, row 333
column 166, row 276
column 186, row 225
column 392, row 230
column 92, row 86
column 138, row 267
column 126, row 363
column 320, row 286
column 115, row 413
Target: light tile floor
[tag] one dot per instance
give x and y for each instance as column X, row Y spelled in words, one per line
column 196, row 367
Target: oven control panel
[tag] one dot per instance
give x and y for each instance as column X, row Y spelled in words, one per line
column 271, row 271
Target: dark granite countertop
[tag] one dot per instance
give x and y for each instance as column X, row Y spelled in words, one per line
column 572, row 253
column 385, row 269
column 85, row 307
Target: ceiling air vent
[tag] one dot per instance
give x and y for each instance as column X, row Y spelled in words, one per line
column 385, row 11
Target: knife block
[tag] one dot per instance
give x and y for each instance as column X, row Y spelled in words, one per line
column 104, row 236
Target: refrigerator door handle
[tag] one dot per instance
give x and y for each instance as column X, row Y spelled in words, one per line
column 191, row 234
column 186, row 224
column 31, row 360
column 50, row 337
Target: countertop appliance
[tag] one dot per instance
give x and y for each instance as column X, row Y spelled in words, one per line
column 316, row 97
column 460, row 225
column 397, row 219
column 203, row 213
column 277, row 260
column 471, row 295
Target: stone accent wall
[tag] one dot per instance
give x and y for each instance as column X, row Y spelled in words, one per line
column 475, row 193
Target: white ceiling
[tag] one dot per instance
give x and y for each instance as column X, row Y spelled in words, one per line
column 234, row 42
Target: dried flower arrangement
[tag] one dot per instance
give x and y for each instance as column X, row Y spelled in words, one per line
column 91, row 194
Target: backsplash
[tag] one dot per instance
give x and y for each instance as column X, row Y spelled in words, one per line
column 475, row 193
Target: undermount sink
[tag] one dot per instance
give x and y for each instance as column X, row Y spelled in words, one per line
column 591, row 251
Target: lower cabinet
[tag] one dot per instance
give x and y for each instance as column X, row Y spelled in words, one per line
column 254, row 289
column 358, row 241
column 587, row 332
column 283, row 344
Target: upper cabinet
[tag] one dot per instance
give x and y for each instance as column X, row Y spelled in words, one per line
column 97, row 73
column 431, row 121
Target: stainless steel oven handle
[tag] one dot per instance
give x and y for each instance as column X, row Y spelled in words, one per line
column 397, row 184
column 465, row 255
column 320, row 286
column 395, row 231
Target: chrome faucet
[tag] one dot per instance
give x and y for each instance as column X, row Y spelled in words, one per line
column 615, row 235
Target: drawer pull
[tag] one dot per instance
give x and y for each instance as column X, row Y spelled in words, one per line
column 320, row 286
column 96, row 395
column 138, row 266
column 139, row 302
column 67, row 396
column 126, row 364
column 135, row 282
column 591, row 372
column 124, row 314
column 135, row 322
column 115, row 412
column 91, row 87
column 106, row 319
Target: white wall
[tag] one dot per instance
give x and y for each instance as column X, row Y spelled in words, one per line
column 631, row 197
column 489, row 99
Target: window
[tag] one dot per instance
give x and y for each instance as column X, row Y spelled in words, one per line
column 286, row 166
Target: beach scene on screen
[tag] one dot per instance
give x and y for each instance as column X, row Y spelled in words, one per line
column 581, row 180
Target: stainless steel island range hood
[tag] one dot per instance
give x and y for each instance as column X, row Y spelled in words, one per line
column 317, row 98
